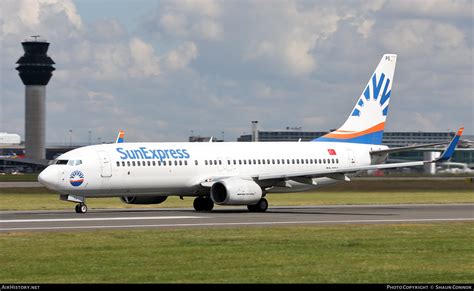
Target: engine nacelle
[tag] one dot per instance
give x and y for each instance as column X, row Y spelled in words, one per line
column 234, row 191
column 143, row 199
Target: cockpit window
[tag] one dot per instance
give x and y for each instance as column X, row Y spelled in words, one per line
column 68, row 162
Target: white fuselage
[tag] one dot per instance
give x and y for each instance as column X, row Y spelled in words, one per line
column 134, row 169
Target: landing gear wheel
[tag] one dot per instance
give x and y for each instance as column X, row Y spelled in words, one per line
column 81, row 208
column 198, row 204
column 208, row 204
column 203, row 204
column 261, row 206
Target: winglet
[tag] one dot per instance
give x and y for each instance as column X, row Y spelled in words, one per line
column 448, row 152
column 120, row 136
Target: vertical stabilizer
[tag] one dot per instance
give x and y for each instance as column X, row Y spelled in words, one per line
column 366, row 122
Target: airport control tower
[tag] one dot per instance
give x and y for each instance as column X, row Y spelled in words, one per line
column 36, row 69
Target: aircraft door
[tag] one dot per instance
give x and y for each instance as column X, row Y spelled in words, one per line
column 105, row 164
column 350, row 154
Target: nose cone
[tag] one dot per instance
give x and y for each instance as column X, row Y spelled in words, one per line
column 48, row 177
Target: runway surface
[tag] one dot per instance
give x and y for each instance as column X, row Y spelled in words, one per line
column 11, row 221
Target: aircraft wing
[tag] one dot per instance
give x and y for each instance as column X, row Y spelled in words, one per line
column 340, row 172
column 407, row 148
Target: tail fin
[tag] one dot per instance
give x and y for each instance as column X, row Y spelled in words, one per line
column 120, row 137
column 367, row 120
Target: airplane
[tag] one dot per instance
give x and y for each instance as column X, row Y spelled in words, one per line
column 234, row 173
column 12, row 155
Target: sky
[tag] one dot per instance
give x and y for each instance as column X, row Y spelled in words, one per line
column 161, row 70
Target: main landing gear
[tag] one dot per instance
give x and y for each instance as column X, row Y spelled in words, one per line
column 203, row 204
column 81, row 208
column 261, row 206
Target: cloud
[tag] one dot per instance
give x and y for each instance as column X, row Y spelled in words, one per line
column 191, row 19
column 181, row 56
column 447, row 9
column 412, row 36
column 214, row 66
column 144, row 62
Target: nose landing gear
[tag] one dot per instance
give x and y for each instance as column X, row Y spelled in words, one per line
column 81, row 206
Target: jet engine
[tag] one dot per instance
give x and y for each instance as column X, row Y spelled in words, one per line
column 235, row 191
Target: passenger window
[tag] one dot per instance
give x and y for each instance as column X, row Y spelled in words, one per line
column 123, row 164
column 180, row 163
column 288, row 161
column 240, row 162
column 133, row 163
column 320, row 161
column 268, row 161
column 128, row 163
column 263, row 162
column 245, row 162
column 324, row 161
column 196, row 162
column 215, row 162
column 185, row 162
column 153, row 163
column 259, row 161
column 332, row 161
column 118, row 164
column 149, row 163
column 293, row 161
column 235, row 162
column 220, row 162
column 307, row 161
column 138, row 163
column 228, row 162
column 254, row 162
column 175, row 163
column 205, row 162
column 273, row 161
column 283, row 161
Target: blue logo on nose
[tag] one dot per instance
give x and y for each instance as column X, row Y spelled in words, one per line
column 76, row 178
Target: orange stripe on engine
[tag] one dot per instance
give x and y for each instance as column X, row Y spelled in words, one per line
column 373, row 129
